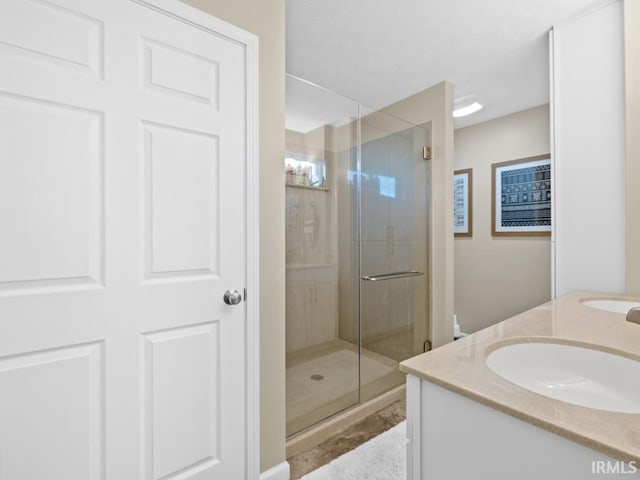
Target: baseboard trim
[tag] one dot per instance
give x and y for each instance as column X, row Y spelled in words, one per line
column 278, row 472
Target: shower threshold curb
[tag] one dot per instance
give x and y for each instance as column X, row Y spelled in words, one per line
column 329, row 428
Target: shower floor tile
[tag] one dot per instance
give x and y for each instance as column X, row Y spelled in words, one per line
column 323, row 380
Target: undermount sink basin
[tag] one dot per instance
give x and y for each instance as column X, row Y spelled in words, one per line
column 617, row 306
column 578, row 375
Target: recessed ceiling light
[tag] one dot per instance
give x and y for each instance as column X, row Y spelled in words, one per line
column 468, row 110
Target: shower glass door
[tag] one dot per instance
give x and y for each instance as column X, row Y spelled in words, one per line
column 393, row 280
column 356, row 206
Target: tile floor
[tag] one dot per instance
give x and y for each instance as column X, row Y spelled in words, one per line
column 349, row 439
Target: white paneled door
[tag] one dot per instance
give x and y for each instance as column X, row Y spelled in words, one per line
column 125, row 129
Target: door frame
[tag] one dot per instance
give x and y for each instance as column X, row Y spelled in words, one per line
column 200, row 19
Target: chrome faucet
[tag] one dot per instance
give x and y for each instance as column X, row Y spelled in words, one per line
column 633, row 315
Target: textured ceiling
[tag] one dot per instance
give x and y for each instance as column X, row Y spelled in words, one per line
column 378, row 52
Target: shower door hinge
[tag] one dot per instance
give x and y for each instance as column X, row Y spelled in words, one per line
column 427, row 345
column 426, row 153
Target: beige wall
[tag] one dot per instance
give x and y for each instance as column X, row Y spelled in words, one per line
column 265, row 18
column 498, row 277
column 632, row 94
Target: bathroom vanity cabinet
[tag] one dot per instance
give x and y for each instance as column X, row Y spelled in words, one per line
column 466, row 422
column 453, row 437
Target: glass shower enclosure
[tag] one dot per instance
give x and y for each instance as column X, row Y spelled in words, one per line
column 357, row 217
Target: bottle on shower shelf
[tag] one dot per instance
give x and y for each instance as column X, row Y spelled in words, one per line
column 290, row 174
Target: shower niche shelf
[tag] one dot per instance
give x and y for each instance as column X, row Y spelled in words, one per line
column 306, row 187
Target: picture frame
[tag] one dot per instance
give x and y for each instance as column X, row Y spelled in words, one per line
column 521, row 197
column 463, row 203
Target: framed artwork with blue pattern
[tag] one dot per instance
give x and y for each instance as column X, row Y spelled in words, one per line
column 521, row 197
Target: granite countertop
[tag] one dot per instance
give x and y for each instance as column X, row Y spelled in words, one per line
column 461, row 367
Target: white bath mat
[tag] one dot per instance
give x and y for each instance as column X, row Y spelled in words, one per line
column 381, row 458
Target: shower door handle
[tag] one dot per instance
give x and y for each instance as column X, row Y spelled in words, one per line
column 392, row 276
